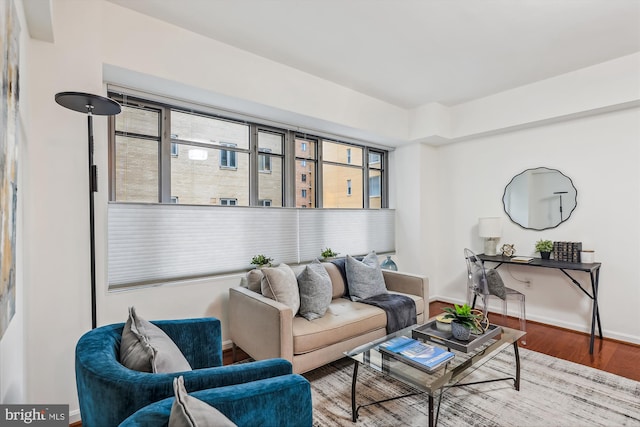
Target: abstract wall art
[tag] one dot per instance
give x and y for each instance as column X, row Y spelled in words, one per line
column 9, row 95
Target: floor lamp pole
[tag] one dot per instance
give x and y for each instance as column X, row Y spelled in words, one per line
column 91, row 105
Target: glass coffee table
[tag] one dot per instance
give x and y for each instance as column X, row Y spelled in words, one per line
column 467, row 358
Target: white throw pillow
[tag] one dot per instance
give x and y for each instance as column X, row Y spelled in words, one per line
column 280, row 284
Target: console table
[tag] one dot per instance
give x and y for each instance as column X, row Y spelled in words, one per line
column 592, row 268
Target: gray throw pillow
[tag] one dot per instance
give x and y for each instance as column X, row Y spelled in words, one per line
column 495, row 284
column 280, row 284
column 315, row 290
column 146, row 348
column 187, row 411
column 254, row 280
column 364, row 278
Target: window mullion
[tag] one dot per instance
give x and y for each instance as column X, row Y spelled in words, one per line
column 253, row 165
column 164, row 160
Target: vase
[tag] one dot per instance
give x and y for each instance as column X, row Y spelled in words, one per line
column 545, row 255
column 460, row 332
column 389, row 264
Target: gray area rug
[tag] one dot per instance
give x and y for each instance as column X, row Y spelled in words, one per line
column 553, row 392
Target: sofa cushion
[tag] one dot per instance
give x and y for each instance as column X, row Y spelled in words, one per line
column 338, row 284
column 145, row 347
column 280, row 284
column 315, row 290
column 187, row 411
column 364, row 278
column 343, row 320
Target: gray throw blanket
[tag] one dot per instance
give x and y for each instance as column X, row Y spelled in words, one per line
column 400, row 309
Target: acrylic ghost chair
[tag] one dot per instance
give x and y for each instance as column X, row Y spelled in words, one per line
column 485, row 284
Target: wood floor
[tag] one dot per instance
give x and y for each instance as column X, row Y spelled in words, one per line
column 608, row 355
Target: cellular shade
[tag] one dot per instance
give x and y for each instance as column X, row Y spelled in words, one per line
column 153, row 243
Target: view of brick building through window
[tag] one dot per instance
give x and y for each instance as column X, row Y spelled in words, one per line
column 207, row 162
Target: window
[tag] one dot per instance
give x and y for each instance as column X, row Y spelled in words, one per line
column 343, row 163
column 264, row 163
column 228, row 202
column 161, row 153
column 228, row 158
column 305, row 169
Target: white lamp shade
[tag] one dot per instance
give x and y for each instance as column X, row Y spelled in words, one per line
column 490, row 227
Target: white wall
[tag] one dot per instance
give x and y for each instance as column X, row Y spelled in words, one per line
column 439, row 192
column 600, row 154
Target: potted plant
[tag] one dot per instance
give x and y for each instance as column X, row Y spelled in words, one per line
column 463, row 320
column 261, row 261
column 545, row 247
column 328, row 253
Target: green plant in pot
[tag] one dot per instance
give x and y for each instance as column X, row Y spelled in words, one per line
column 545, row 247
column 261, row 261
column 464, row 320
column 328, row 253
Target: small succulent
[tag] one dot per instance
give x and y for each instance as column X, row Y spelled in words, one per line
column 261, row 260
column 464, row 315
column 328, row 253
column 544, row 246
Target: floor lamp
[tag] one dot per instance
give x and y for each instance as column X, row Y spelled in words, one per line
column 91, row 105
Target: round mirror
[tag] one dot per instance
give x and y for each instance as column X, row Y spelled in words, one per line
column 540, row 198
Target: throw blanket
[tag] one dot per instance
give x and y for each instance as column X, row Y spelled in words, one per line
column 400, row 309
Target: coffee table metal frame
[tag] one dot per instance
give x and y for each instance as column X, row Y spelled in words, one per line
column 440, row 380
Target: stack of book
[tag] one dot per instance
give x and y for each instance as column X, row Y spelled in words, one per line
column 416, row 353
column 567, row 251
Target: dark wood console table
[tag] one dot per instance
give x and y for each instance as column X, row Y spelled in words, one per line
column 592, row 268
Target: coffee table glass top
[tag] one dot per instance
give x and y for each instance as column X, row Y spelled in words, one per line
column 459, row 367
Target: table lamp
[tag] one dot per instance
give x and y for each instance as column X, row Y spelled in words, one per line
column 491, row 230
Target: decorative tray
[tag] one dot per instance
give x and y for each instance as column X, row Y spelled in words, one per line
column 429, row 332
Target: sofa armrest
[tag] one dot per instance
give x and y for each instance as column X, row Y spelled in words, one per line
column 407, row 283
column 262, row 327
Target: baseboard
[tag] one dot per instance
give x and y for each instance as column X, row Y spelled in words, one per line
column 584, row 329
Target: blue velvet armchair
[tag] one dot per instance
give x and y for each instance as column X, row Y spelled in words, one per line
column 109, row 392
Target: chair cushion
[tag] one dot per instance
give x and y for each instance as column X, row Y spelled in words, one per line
column 364, row 278
column 343, row 320
column 146, row 348
column 280, row 284
column 495, row 284
column 315, row 290
column 187, row 411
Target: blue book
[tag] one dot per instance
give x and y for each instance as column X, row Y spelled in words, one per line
column 416, row 353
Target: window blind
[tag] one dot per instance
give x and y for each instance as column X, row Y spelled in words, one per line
column 151, row 244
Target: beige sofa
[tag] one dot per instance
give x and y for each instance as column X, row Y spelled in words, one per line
column 265, row 328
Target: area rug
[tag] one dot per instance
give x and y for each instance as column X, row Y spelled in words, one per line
column 553, row 392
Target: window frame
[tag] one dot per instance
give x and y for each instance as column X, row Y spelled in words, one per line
column 167, row 150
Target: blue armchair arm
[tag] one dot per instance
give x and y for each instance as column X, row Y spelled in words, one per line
column 108, row 392
column 283, row 401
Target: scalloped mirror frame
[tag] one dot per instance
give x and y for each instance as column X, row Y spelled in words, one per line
column 554, row 195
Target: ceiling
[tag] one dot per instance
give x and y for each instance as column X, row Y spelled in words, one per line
column 413, row 52
column 407, row 52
